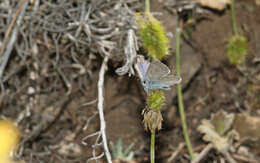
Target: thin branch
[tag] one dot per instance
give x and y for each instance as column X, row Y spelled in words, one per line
column 229, row 158
column 176, row 152
column 96, row 157
column 84, row 140
column 89, row 103
column 88, row 121
column 244, row 159
column 101, row 108
column 203, row 153
column 18, row 16
column 130, row 53
column 20, row 8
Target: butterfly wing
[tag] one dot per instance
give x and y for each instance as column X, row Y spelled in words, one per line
column 158, row 77
column 170, row 80
column 143, row 66
column 156, row 70
column 165, row 82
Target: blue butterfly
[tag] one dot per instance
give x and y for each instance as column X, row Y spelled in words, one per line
column 156, row 75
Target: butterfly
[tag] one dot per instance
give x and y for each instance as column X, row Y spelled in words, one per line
column 156, row 75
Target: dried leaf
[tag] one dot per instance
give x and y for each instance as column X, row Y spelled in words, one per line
column 222, row 121
column 130, row 55
column 220, row 143
column 215, row 130
column 214, row 4
column 248, row 127
column 257, row 2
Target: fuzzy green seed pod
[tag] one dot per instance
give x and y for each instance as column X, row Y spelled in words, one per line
column 237, row 49
column 152, row 35
column 155, row 100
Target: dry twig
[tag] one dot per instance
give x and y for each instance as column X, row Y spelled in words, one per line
column 18, row 19
column 202, row 154
column 176, row 152
column 101, row 108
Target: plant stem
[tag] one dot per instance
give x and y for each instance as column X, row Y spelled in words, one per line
column 147, row 5
column 180, row 101
column 152, row 156
column 234, row 17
